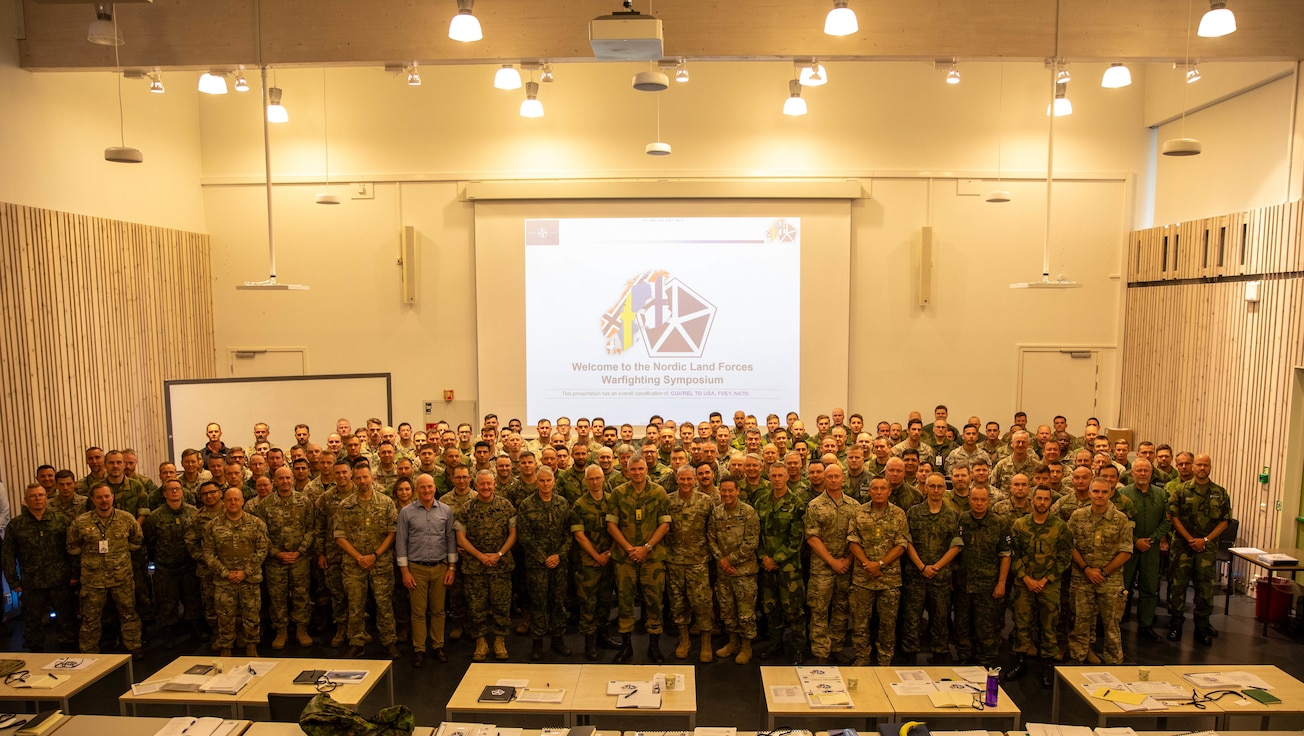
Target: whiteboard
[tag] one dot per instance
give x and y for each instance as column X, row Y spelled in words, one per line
column 282, row 402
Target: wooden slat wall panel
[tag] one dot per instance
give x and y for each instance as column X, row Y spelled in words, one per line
column 97, row 314
column 1206, row 371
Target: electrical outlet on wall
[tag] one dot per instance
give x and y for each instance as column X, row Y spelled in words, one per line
column 362, row 190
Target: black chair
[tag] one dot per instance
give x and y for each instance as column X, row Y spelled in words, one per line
column 287, row 707
column 1223, row 562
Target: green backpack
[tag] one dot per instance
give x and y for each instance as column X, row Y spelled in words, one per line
column 325, row 716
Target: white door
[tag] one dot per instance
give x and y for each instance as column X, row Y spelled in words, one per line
column 267, row 362
column 1058, row 380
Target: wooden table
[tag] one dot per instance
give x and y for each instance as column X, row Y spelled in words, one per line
column 1253, row 559
column 867, row 699
column 1289, row 689
column 81, row 679
column 465, row 700
column 591, row 698
column 910, row 707
column 123, row 726
column 292, row 729
column 1106, row 711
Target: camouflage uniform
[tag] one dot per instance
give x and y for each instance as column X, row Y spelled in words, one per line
column 488, row 589
column 1200, row 509
column 638, row 515
column 1098, row 538
column 857, row 486
column 1142, row 568
column 544, row 530
column 735, row 535
column 130, row 496
column 366, row 525
column 932, row 536
column 327, row 505
column 925, row 451
column 229, row 546
column 36, row 560
column 1040, row 551
column 1069, row 503
column 828, row 593
column 783, row 591
column 877, row 532
column 905, row 497
column 749, row 493
column 1006, row 469
column 977, row 627
column 70, row 509
column 456, row 610
column 175, row 584
column 106, row 574
column 959, row 503
column 384, row 480
column 961, row 456
column 596, row 585
column 291, row 527
column 570, row 483
column 195, row 546
column 190, row 488
column 1006, row 508
column 688, row 561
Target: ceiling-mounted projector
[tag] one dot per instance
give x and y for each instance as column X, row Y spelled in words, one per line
column 625, row 35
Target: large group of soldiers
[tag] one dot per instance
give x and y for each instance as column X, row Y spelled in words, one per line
column 911, row 541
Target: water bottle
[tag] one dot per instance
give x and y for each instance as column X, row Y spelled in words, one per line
column 993, row 686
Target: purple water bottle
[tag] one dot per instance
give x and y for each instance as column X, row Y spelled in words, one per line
column 993, row 685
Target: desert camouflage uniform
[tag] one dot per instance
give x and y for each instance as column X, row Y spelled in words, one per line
column 688, row 560
column 230, row 546
column 1007, row 468
column 877, row 532
column 105, row 575
column 366, row 525
column 1098, row 538
column 291, row 527
column 961, row 456
column 735, row 535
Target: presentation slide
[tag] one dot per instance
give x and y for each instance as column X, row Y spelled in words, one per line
column 630, row 317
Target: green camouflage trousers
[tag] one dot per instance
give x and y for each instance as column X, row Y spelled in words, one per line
column 783, row 600
column 1042, row 612
column 37, row 605
column 287, row 590
column 977, row 626
column 489, row 603
column 828, row 597
column 380, row 580
column 597, row 594
column 690, row 595
column 1089, row 603
column 547, row 590
column 93, row 601
column 335, row 586
column 1184, row 567
column 237, row 602
column 933, row 596
column 649, row 578
column 737, row 597
column 864, row 604
column 208, row 597
column 176, row 590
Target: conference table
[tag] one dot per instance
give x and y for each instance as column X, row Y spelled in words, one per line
column 591, row 698
column 78, row 679
column 1267, row 590
column 1076, row 678
column 1282, row 685
column 919, row 707
column 465, row 701
column 867, row 697
column 86, row 725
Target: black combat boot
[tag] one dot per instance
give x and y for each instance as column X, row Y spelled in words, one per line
column 1018, row 670
column 591, row 647
column 654, row 654
column 626, row 652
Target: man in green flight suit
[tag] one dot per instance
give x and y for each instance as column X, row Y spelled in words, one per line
column 1151, row 524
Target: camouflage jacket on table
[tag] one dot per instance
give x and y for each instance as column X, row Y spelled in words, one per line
column 857, row 486
column 1040, row 550
column 637, row 515
column 195, row 538
column 36, row 551
column 933, row 535
column 829, row 520
column 686, row 542
column 1151, row 511
column 1199, row 509
column 1100, row 537
column 589, row 515
column 366, row 524
column 165, row 535
column 961, row 456
column 986, row 541
column 236, row 545
column 70, row 509
column 486, row 524
column 735, row 534
column 905, row 496
column 291, row 523
column 328, row 505
column 783, row 529
column 104, row 569
column 543, row 528
column 878, row 532
column 1007, row 468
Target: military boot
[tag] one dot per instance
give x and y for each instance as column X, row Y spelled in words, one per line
column 591, row 647
column 559, row 646
column 536, row 650
column 654, row 649
column 626, row 652
column 500, row 648
column 685, row 642
column 707, row 656
column 1047, row 673
column 1018, row 670
column 282, row 636
column 481, row 650
column 251, row 650
column 341, row 636
column 224, row 652
column 744, row 652
column 301, row 633
column 729, row 649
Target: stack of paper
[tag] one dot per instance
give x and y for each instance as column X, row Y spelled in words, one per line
column 1053, row 729
column 453, row 728
column 824, row 687
column 1235, row 680
column 196, row 727
column 643, row 695
column 228, row 683
column 186, row 683
column 540, row 695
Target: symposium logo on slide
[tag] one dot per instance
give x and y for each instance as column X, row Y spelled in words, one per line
column 665, row 315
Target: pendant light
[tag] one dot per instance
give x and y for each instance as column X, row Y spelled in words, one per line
column 1181, row 145
column 122, row 153
column 326, row 197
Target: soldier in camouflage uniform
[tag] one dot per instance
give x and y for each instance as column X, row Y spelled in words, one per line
column 1151, row 524
column 192, row 475
column 104, row 539
column 457, row 500
column 36, row 564
column 543, row 523
column 734, row 533
column 486, row 532
column 1042, row 547
column 783, row 591
column 364, row 527
column 687, row 560
column 878, row 536
column 638, row 518
column 1020, row 460
column 934, row 544
column 980, row 586
column 235, row 545
column 595, row 573
column 958, row 497
column 1018, row 503
column 175, row 584
column 1102, row 542
column 291, row 531
column 386, row 472
column 210, row 496
column 828, row 517
column 330, row 556
column 856, row 481
column 66, row 500
column 966, row 453
column 900, row 492
column 1200, row 510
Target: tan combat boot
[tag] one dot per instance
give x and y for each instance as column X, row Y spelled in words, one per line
column 681, row 651
column 500, row 648
column 341, row 636
column 251, row 650
column 706, row 656
column 282, row 635
column 301, row 632
column 744, row 652
column 481, row 650
column 224, row 652
column 728, row 650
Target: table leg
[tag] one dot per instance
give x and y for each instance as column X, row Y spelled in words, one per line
column 391, row 685
column 1016, row 722
column 1268, row 602
column 122, row 707
column 1054, row 699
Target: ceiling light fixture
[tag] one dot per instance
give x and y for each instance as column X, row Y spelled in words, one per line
column 414, row 75
column 1116, row 76
column 1061, row 105
column 657, row 147
column 1181, row 145
column 507, row 77
column 953, row 76
column 213, row 83
column 464, row 26
column 1218, row 21
column 1192, row 74
column 326, row 197
column 156, row 83
column 545, row 73
column 1062, row 76
column 276, row 112
column 841, row 20
column 103, row 30
column 270, row 283
column 794, row 105
column 681, row 71
column 999, row 195
column 812, row 74
column 241, row 84
column 651, row 81
column 530, row 106
column 121, row 154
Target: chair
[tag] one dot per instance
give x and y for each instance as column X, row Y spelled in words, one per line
column 1223, row 561
column 287, row 707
